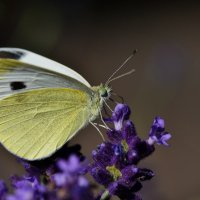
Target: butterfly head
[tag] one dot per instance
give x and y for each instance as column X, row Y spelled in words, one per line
column 104, row 91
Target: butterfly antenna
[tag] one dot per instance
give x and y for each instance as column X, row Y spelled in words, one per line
column 122, row 75
column 122, row 65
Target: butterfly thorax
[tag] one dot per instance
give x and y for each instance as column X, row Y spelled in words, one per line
column 101, row 94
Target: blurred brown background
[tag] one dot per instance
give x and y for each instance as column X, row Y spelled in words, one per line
column 93, row 38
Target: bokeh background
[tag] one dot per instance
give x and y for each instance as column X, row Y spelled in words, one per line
column 93, row 38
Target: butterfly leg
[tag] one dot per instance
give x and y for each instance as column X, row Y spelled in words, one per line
column 107, row 105
column 101, row 125
column 103, row 120
column 95, row 126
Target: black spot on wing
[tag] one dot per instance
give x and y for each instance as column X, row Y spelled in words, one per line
column 11, row 55
column 17, row 85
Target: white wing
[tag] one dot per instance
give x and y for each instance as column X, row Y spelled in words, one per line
column 17, row 77
column 41, row 62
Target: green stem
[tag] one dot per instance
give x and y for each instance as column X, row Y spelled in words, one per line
column 105, row 195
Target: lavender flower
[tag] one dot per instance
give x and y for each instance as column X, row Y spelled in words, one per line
column 115, row 161
column 62, row 176
column 61, row 180
column 157, row 133
column 70, row 176
column 3, row 189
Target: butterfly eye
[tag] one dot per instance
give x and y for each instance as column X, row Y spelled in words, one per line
column 17, row 85
column 103, row 92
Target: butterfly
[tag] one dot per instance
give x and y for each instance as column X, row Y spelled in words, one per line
column 43, row 104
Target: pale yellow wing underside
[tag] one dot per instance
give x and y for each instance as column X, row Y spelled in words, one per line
column 34, row 124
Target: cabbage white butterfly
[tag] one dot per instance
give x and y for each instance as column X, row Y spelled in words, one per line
column 43, row 104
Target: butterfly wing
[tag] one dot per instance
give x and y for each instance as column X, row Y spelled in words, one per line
column 34, row 124
column 16, row 77
column 31, row 58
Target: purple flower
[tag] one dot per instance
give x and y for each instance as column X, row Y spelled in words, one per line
column 26, row 188
column 69, row 172
column 3, row 189
column 157, row 133
column 62, row 180
column 69, row 177
column 22, row 194
column 62, row 176
column 115, row 161
column 120, row 114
